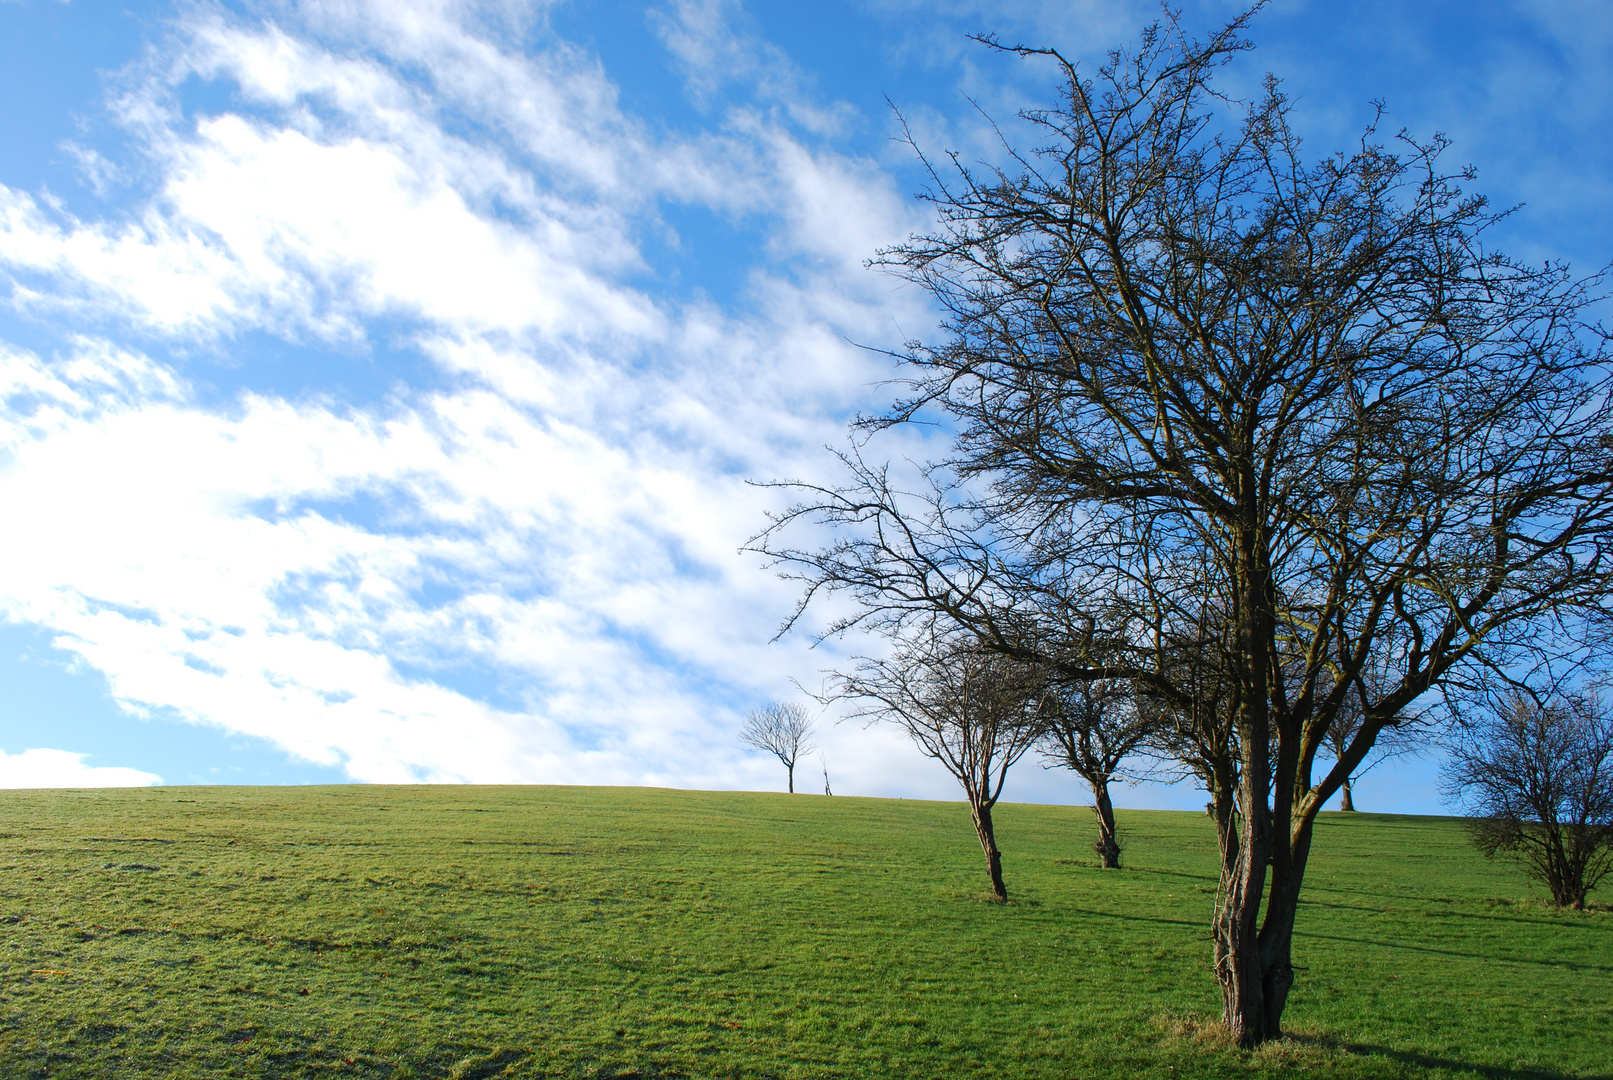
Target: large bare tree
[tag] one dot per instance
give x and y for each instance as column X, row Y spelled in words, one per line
column 974, row 711
column 1230, row 415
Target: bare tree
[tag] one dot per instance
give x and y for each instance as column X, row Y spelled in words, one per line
column 782, row 729
column 1538, row 775
column 972, row 710
column 1398, row 738
column 1091, row 727
column 1228, row 415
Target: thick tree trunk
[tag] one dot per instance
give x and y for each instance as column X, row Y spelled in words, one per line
column 1107, row 847
column 1235, row 929
column 1254, row 978
column 790, row 770
column 988, row 844
column 1277, row 932
column 1347, row 803
column 1256, row 968
column 1238, row 960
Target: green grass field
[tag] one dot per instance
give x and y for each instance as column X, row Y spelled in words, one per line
column 624, row 932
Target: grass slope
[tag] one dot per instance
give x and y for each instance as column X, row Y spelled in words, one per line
column 579, row 932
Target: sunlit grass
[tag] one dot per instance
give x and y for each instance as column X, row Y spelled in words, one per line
column 475, row 932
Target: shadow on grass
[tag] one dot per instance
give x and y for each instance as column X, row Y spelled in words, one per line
column 1542, row 915
column 1152, row 871
column 1194, row 924
column 1431, row 1061
column 1318, row 1053
column 1487, row 957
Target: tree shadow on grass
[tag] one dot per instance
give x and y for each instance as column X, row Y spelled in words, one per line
column 1534, row 911
column 1318, row 1053
column 1432, row 1061
column 1434, row 909
column 1193, row 924
column 1154, row 871
column 1488, row 957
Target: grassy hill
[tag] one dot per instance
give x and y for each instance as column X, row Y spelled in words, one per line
column 626, row 932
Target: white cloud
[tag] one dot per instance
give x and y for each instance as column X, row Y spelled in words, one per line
column 714, row 54
column 573, row 521
column 41, row 768
column 160, row 568
column 528, row 571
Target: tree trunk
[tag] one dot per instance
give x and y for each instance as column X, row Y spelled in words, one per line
column 1244, row 855
column 790, row 769
column 1107, row 847
column 1347, row 804
column 1256, row 969
column 988, row 844
column 1277, row 933
column 1240, row 959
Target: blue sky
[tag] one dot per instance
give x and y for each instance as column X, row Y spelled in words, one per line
column 379, row 382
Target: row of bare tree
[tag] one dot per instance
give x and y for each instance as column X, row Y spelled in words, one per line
column 1276, row 441
column 1536, row 772
column 978, row 712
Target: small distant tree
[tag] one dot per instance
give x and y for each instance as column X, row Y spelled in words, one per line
column 1396, row 739
column 1538, row 776
column 1392, row 741
column 782, row 729
column 1091, row 728
column 974, row 711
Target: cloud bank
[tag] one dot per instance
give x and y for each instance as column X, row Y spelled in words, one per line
column 521, row 565
column 390, row 383
column 40, row 768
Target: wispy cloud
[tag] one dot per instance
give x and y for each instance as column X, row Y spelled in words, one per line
column 527, row 570
column 509, row 550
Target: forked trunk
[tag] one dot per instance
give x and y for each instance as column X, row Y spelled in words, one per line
column 1565, row 861
column 1254, row 932
column 988, row 844
column 1107, row 847
column 1347, row 803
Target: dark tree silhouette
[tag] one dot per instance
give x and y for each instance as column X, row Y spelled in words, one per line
column 782, row 729
column 1227, row 414
column 1538, row 776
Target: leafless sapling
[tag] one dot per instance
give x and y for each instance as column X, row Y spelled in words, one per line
column 1092, row 727
column 1398, row 738
column 783, row 729
column 974, row 711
